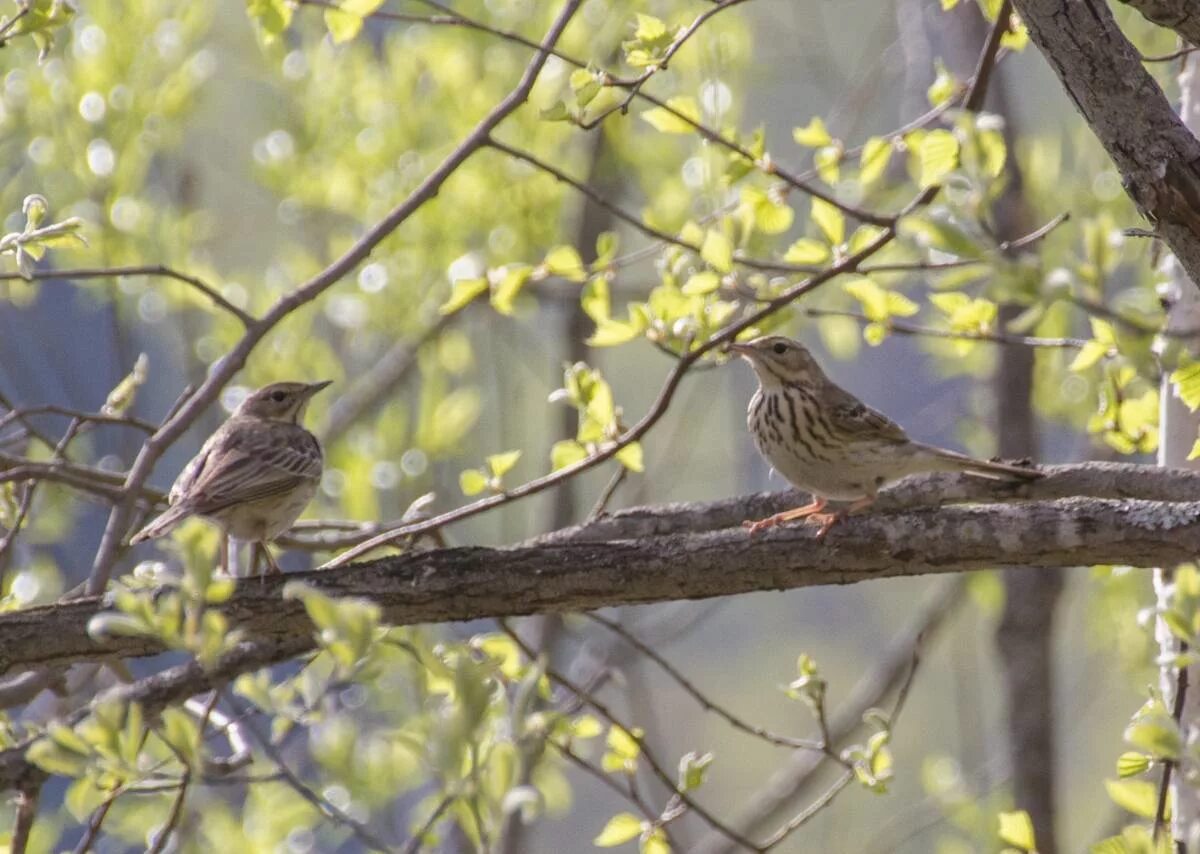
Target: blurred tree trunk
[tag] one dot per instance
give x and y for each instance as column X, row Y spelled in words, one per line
column 542, row 632
column 1177, row 432
column 1025, row 636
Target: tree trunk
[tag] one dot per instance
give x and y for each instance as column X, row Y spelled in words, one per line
column 1178, row 431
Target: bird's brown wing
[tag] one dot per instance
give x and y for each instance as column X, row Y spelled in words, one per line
column 859, row 422
column 250, row 462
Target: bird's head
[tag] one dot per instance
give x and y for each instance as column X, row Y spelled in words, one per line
column 780, row 361
column 280, row 401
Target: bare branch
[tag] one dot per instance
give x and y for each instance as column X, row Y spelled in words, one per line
column 144, row 270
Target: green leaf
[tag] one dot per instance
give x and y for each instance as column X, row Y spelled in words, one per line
column 667, row 122
column 612, row 333
column 717, row 251
column 1016, row 829
column 1187, row 384
column 630, row 456
column 649, row 29
column 806, row 250
column 1088, row 355
column 1195, row 451
column 1139, row 797
column 692, row 770
column 995, row 152
column 343, row 26
column 830, row 220
column 769, row 214
column 473, row 481
column 505, row 293
column 943, row 87
column 699, row 284
column 939, row 156
column 828, row 162
column 873, row 160
column 655, row 842
column 595, row 300
column 621, row 828
column 586, row 86
column 813, row 134
column 607, row 243
column 1131, row 763
column 272, row 16
column 566, row 262
column 566, row 452
column 1103, row 331
column 879, row 303
column 556, row 112
column 462, row 293
column 500, row 464
column 1156, row 734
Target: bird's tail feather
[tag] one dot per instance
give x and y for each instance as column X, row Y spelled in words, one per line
column 985, row 468
column 164, row 524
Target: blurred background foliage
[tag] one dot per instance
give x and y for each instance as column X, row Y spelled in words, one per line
column 249, row 144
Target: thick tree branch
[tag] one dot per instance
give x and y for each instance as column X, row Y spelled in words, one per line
column 1112, row 514
column 694, row 551
column 1157, row 156
column 1182, row 16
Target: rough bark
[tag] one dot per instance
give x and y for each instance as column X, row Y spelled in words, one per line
column 1182, row 16
column 634, row 565
column 1102, row 72
column 1113, row 514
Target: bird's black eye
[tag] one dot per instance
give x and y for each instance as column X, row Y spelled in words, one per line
column 279, row 396
column 780, row 348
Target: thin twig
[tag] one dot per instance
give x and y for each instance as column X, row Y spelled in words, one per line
column 659, row 772
column 164, row 835
column 415, row 843
column 705, row 702
column 160, row 270
column 1164, row 786
column 902, row 327
column 95, row 822
column 802, row 818
column 360, row 832
column 27, row 804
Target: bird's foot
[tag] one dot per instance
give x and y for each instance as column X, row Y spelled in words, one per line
column 826, row 521
column 815, row 506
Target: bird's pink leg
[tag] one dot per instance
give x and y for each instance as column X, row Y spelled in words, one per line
column 815, row 506
column 828, row 520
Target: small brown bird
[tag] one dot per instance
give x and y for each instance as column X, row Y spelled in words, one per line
column 827, row 442
column 253, row 476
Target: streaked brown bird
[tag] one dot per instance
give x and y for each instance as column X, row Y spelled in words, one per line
column 827, row 442
column 255, row 474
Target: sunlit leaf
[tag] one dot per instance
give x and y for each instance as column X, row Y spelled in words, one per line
column 830, row 220
column 813, row 134
column 939, row 156
column 472, row 481
column 717, row 250
column 1016, row 829
column 666, row 121
column 621, row 828
column 1139, row 797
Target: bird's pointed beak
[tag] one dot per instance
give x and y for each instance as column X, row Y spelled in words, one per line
column 743, row 350
column 313, row 388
